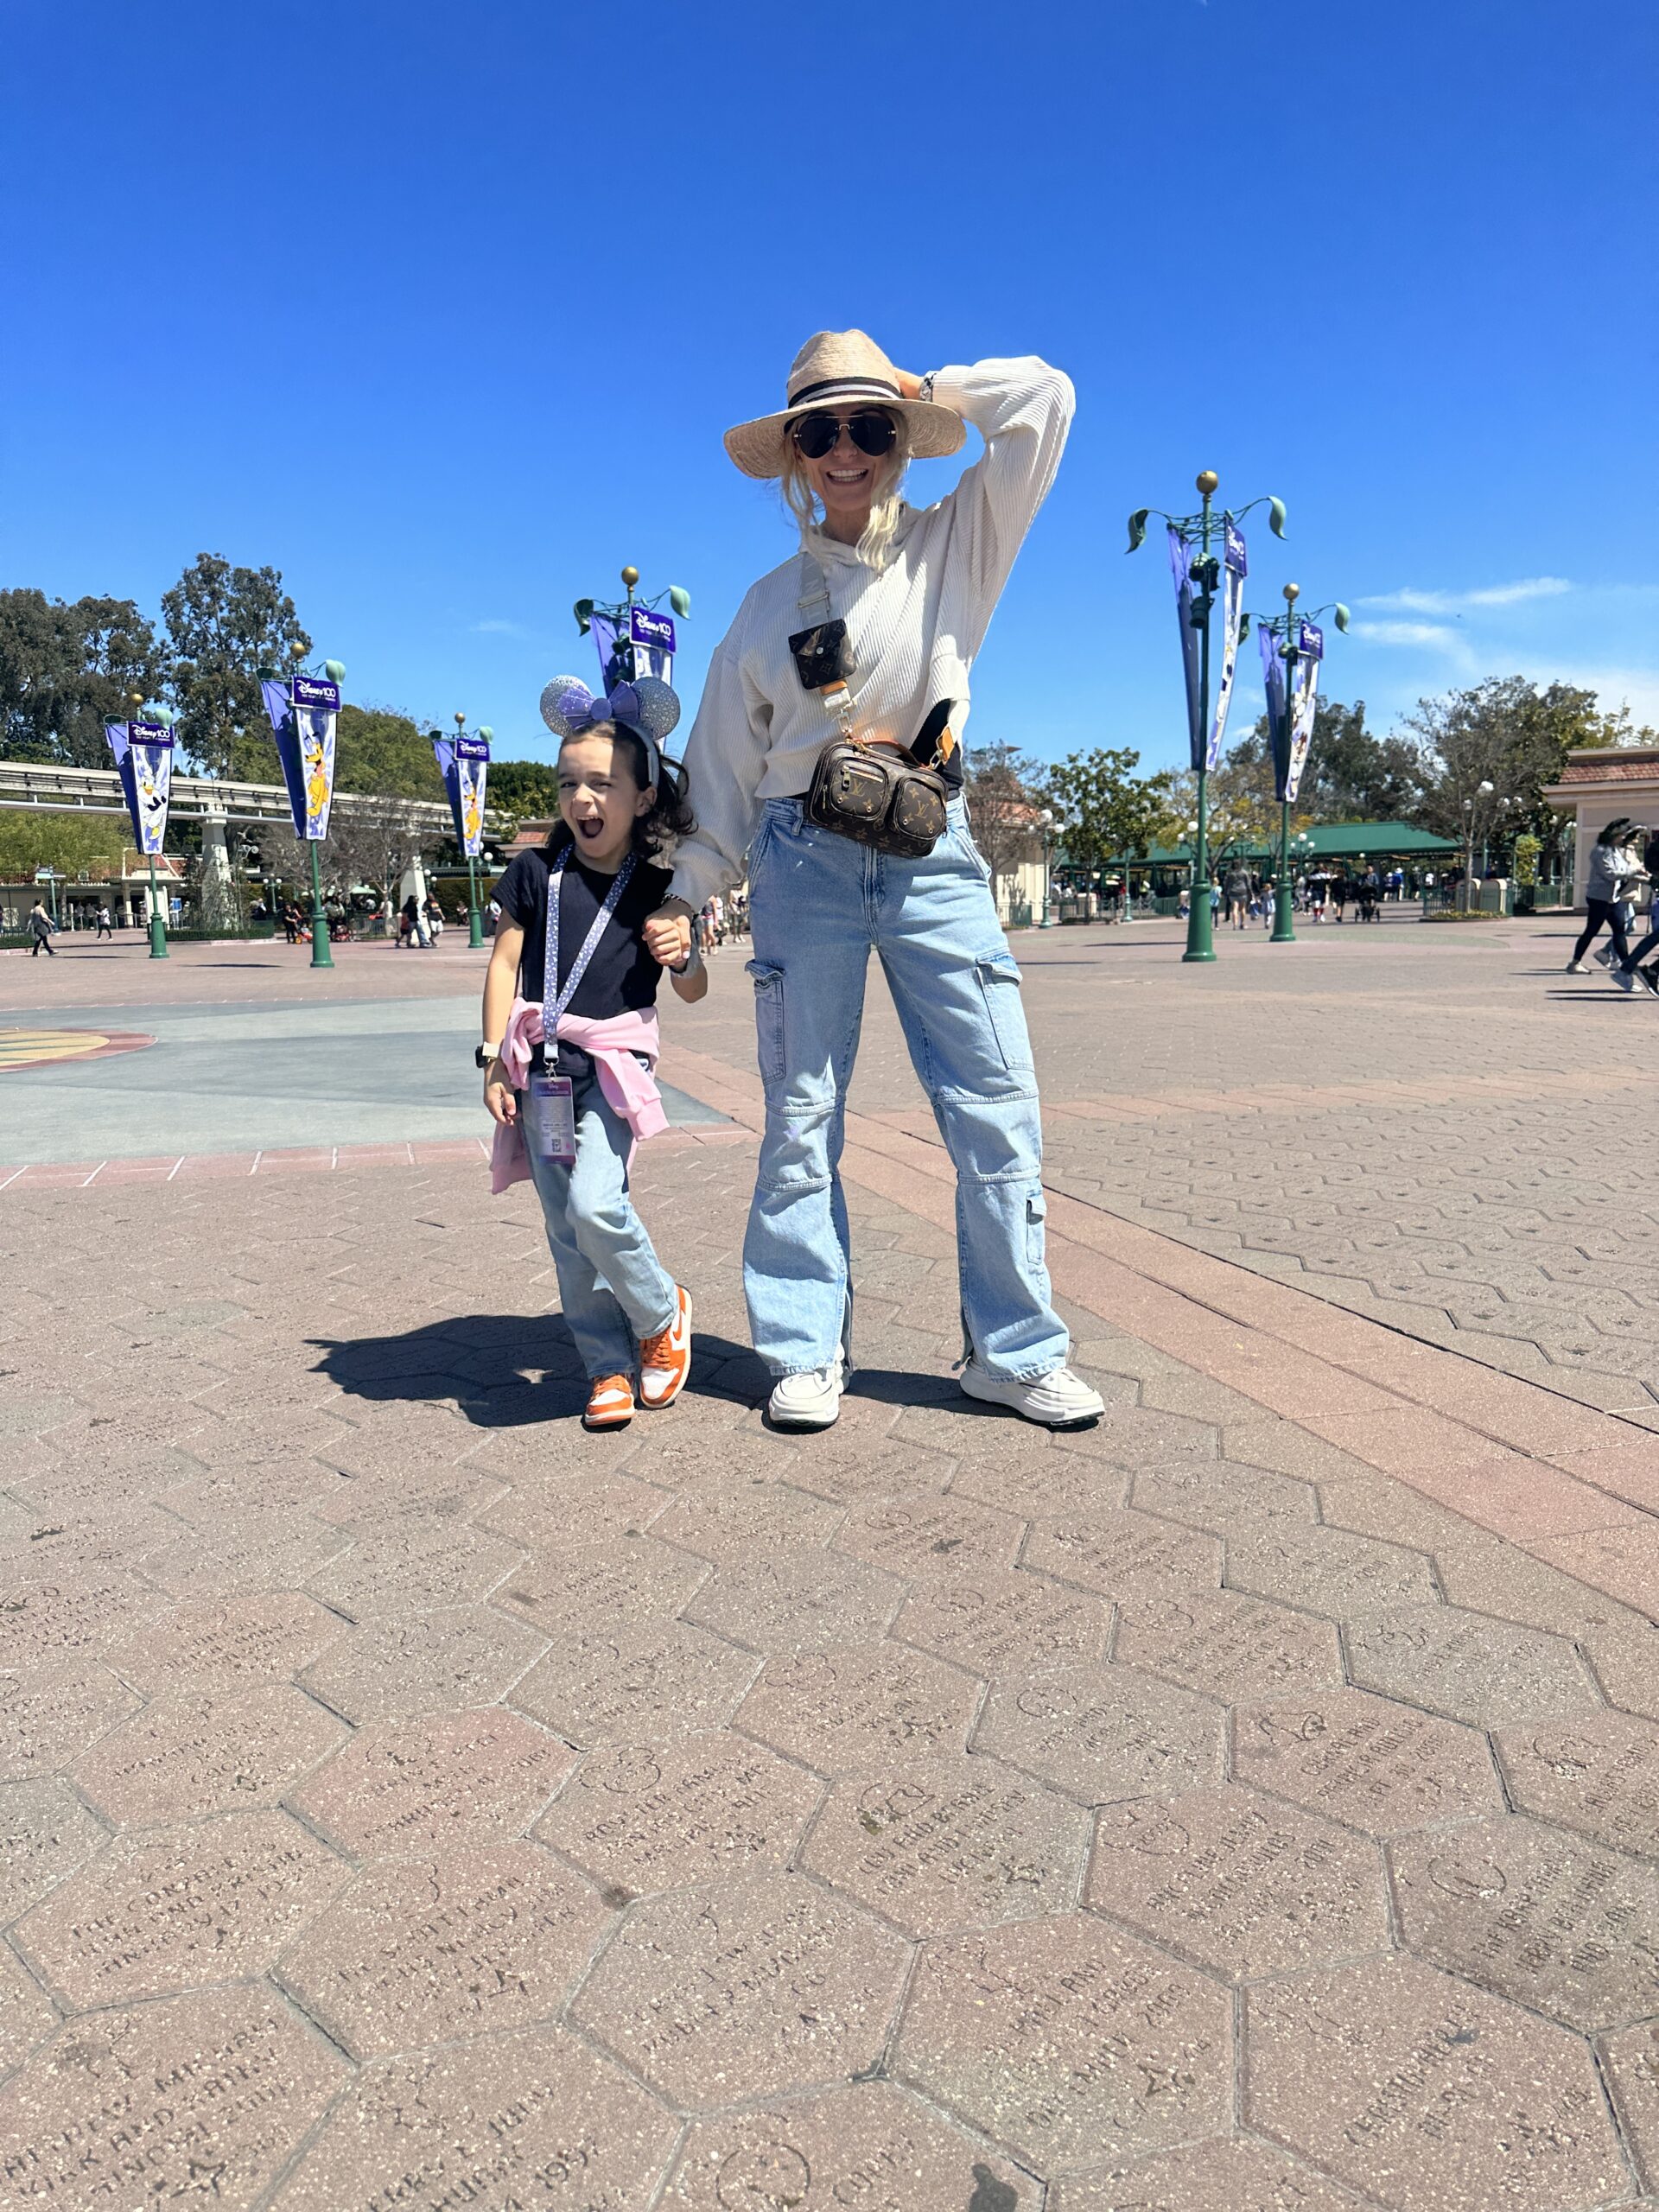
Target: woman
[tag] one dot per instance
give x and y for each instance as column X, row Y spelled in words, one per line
column 916, row 591
column 1612, row 874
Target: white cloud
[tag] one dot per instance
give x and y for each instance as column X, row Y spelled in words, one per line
column 1452, row 602
column 1634, row 688
column 1408, row 633
column 498, row 629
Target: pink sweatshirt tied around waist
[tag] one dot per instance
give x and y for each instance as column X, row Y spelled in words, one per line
column 629, row 1090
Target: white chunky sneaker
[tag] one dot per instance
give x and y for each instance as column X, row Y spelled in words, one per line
column 808, row 1401
column 1625, row 978
column 1057, row 1399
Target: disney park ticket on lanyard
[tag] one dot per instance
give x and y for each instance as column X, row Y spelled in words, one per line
column 549, row 1105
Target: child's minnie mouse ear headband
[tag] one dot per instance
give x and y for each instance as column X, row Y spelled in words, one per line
column 647, row 706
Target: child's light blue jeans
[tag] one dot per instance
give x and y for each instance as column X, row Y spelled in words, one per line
column 613, row 1288
column 819, row 903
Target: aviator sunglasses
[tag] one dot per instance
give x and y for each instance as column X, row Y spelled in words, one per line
column 871, row 431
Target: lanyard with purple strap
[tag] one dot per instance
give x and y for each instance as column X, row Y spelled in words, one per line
column 550, row 1112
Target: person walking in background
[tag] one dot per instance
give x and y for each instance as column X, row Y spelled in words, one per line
column 1613, row 870
column 41, row 926
column 1236, row 886
column 1636, row 838
column 105, row 926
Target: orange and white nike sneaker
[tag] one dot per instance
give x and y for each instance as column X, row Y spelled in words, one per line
column 610, row 1402
column 665, row 1359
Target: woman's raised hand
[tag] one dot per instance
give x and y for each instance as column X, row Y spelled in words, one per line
column 668, row 936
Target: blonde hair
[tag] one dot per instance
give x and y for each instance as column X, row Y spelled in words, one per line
column 876, row 546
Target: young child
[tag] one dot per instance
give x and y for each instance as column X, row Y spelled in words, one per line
column 570, row 996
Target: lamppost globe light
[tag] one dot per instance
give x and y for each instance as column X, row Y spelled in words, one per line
column 1484, row 787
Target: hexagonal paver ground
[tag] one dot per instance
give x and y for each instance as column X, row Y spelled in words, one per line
column 625, row 1685
column 850, row 1705
column 920, row 1537
column 737, row 1518
column 939, row 1845
column 45, row 1834
column 629, row 1578
column 203, row 2096
column 1469, row 1666
column 644, row 1817
column 425, row 1662
column 419, row 1952
column 532, row 2117
column 1121, row 1555
column 1537, row 1914
column 1630, row 2059
column 450, row 1778
column 873, row 2146
column 1427, row 2095
column 1239, row 1881
column 1068, row 2040
column 185, row 1755
column 796, row 1598
column 27, row 2014
column 232, row 1644
column 1598, row 1773
column 49, row 1714
column 1326, row 1569
column 178, row 1908
column 758, row 1986
column 1102, row 1732
column 998, row 1621
column 1231, row 2176
column 1376, row 1766
column 415, row 1565
column 1229, row 1646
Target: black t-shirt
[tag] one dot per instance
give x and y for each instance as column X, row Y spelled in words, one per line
column 621, row 976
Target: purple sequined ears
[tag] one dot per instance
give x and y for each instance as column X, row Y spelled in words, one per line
column 647, row 706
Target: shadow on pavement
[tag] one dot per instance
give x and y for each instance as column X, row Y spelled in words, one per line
column 508, row 1371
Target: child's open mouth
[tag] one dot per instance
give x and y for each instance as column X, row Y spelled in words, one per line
column 591, row 831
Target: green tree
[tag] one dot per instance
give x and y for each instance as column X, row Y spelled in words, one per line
column 1103, row 810
column 1352, row 775
column 74, row 842
column 378, row 751
column 526, row 789
column 1510, row 733
column 68, row 668
column 1003, row 790
column 223, row 625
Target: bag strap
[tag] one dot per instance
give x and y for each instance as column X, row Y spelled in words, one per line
column 933, row 744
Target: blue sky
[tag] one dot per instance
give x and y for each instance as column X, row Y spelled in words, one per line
column 442, row 311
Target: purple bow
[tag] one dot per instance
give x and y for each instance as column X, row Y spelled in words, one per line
column 582, row 710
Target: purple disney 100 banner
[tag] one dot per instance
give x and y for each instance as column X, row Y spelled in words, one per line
column 1205, row 745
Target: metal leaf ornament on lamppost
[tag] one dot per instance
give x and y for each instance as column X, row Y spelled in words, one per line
column 1199, row 570
column 1293, row 646
column 633, row 639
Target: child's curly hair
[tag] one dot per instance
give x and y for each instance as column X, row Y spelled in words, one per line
column 670, row 816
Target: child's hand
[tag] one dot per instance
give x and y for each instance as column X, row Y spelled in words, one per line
column 668, row 938
column 499, row 1096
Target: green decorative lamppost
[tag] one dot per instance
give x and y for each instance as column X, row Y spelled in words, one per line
column 1206, row 553
column 1292, row 645
column 157, row 925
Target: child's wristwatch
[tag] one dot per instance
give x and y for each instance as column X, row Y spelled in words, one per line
column 485, row 1053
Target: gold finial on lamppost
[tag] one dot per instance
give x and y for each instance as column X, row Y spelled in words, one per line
column 629, row 575
column 1207, row 481
column 1292, row 592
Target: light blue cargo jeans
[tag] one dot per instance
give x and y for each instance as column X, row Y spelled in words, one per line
column 817, row 903
column 613, row 1288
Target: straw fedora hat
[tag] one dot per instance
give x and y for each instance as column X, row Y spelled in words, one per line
column 836, row 368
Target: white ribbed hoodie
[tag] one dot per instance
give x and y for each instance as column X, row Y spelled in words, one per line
column 914, row 627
